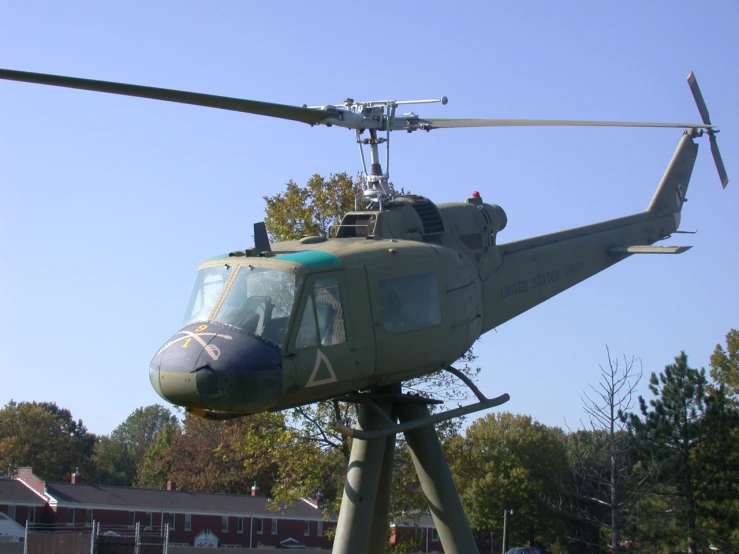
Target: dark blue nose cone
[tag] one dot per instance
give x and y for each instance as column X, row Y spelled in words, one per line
column 215, row 366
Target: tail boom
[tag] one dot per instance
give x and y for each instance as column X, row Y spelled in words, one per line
column 536, row 269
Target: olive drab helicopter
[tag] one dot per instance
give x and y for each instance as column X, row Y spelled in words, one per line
column 401, row 289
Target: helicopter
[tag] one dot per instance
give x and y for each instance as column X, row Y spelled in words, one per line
column 402, row 288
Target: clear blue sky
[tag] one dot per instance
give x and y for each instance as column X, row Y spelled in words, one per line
column 108, row 204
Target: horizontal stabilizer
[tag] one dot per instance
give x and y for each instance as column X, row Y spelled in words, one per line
column 649, row 249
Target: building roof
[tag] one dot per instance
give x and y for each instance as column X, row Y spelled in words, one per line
column 128, row 498
column 16, row 493
column 9, row 528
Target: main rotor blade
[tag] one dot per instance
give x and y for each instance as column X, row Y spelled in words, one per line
column 451, row 123
column 718, row 161
column 281, row 111
column 702, row 108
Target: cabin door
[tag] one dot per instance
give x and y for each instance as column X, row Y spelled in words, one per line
column 321, row 344
column 408, row 310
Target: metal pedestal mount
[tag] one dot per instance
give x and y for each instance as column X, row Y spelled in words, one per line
column 365, row 506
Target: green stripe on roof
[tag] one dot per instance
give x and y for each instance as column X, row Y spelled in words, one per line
column 310, row 258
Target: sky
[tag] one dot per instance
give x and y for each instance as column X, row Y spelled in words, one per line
column 108, row 204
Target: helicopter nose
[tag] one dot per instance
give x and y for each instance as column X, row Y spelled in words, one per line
column 218, row 367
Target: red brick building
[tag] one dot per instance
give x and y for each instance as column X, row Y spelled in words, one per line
column 420, row 528
column 19, row 502
column 235, row 520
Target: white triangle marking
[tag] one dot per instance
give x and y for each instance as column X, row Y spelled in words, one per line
column 312, row 381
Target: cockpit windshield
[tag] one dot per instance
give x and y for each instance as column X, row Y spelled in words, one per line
column 258, row 301
column 208, row 286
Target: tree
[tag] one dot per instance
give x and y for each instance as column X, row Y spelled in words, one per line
column 509, row 462
column 45, row 437
column 310, row 210
column 156, row 467
column 114, row 464
column 717, row 472
column 118, row 456
column 142, row 427
column 673, row 426
column 725, row 364
column 603, row 481
column 216, row 456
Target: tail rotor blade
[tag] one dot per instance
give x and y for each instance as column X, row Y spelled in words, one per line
column 693, row 83
column 719, row 162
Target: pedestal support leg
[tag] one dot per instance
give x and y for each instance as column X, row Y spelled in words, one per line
column 359, row 503
column 380, row 517
column 437, row 483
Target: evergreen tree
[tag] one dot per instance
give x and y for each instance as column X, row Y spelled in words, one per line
column 673, row 426
column 725, row 365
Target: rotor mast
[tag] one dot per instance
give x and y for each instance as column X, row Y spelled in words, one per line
column 379, row 116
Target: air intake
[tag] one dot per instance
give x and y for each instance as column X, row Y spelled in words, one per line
column 429, row 214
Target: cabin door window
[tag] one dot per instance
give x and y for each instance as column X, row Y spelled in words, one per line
column 323, row 317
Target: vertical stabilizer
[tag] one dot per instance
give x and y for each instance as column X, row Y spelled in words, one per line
column 670, row 194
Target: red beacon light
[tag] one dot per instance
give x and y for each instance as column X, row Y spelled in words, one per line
column 475, row 199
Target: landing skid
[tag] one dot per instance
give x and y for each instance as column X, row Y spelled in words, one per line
column 365, row 506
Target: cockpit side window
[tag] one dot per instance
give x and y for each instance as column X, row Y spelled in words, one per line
column 307, row 335
column 323, row 317
column 329, row 312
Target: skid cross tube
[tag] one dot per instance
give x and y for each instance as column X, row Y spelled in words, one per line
column 392, row 428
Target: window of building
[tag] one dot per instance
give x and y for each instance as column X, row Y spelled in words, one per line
column 260, row 526
column 306, row 528
column 224, row 524
column 149, row 518
column 240, row 525
column 172, row 520
column 88, row 517
column 188, row 522
column 434, row 535
column 274, row 526
column 323, row 317
column 11, row 512
column 31, row 515
column 131, row 519
column 410, row 302
column 319, row 528
column 70, row 516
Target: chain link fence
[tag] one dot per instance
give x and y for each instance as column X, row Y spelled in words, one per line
column 95, row 539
